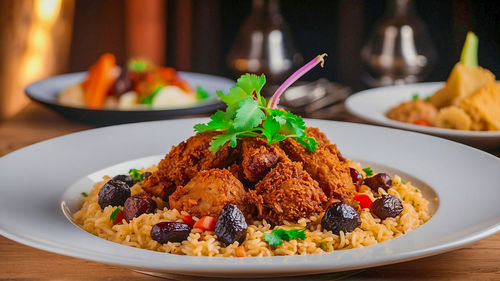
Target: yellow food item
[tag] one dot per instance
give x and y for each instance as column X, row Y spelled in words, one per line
column 453, row 117
column 483, row 106
column 462, row 82
column 411, row 111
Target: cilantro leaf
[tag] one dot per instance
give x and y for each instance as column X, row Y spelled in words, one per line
column 135, row 174
column 415, row 96
column 235, row 96
column 219, row 120
column 368, row 171
column 249, row 115
column 251, row 82
column 277, row 236
column 201, row 94
column 271, row 128
column 308, row 142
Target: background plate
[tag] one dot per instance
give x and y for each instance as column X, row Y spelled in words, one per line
column 40, row 175
column 45, row 92
column 372, row 105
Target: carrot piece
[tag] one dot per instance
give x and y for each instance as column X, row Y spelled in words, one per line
column 206, row 223
column 100, row 80
column 240, row 252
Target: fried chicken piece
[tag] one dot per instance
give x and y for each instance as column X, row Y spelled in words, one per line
column 184, row 161
column 208, row 192
column 258, row 158
column 287, row 193
column 316, row 134
column 326, row 166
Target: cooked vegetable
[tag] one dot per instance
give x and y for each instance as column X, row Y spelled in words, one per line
column 231, row 225
column 368, row 171
column 247, row 114
column 240, row 252
column 340, row 216
column 165, row 232
column 135, row 174
column 206, row 223
column 117, row 216
column 387, row 206
column 277, row 236
column 113, row 193
column 124, row 178
column 100, row 80
column 137, row 205
column 381, row 180
column 469, row 50
column 363, row 201
column 187, row 219
column 422, row 122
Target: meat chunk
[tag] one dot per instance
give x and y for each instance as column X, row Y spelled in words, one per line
column 287, row 193
column 184, row 161
column 208, row 192
column 326, row 166
column 258, row 158
column 316, row 134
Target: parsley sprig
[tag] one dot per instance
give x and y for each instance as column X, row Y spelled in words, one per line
column 277, row 236
column 248, row 114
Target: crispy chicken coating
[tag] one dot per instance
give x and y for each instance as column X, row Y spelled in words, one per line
column 326, row 166
column 208, row 192
column 287, row 193
column 258, row 158
column 184, row 161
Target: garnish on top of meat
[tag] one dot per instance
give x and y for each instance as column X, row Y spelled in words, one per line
column 254, row 154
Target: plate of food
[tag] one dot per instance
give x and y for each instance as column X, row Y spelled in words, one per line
column 254, row 191
column 465, row 108
column 141, row 91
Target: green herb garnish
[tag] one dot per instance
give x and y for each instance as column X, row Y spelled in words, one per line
column 278, row 235
column 114, row 213
column 415, row 96
column 148, row 100
column 368, row 171
column 135, row 174
column 139, row 65
column 201, row 94
column 85, row 194
column 322, row 245
column 403, row 182
column 355, row 203
column 248, row 114
column 428, row 98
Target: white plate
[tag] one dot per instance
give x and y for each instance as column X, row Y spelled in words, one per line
column 372, row 105
column 37, row 179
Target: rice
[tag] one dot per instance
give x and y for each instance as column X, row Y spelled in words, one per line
column 372, row 230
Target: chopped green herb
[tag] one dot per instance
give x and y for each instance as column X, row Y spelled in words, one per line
column 85, row 194
column 403, row 182
column 355, row 203
column 322, row 245
column 368, row 171
column 428, row 98
column 248, row 114
column 139, row 65
column 278, row 235
column 114, row 213
column 415, row 96
column 201, row 94
column 135, row 174
column 148, row 100
column 417, row 190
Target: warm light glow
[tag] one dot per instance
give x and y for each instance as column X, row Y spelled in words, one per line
column 47, row 10
column 39, row 40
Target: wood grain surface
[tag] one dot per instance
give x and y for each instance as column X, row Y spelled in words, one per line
column 477, row 261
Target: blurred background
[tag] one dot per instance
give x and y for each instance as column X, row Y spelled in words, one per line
column 41, row 38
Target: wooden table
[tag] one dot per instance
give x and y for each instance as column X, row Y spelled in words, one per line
column 477, row 261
